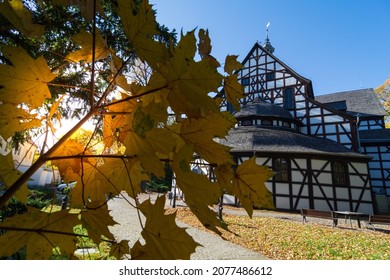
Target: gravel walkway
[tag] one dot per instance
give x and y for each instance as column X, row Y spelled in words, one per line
column 213, row 247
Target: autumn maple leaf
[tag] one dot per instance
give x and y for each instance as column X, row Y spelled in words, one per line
column 249, row 185
column 40, row 232
column 21, row 18
column 14, row 119
column 164, row 239
column 26, row 80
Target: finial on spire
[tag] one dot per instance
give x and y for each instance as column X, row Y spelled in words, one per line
column 267, row 45
column 267, row 27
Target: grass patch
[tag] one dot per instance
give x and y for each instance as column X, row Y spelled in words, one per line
column 289, row 240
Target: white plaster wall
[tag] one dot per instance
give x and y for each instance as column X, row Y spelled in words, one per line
column 317, row 164
column 342, row 193
column 356, row 181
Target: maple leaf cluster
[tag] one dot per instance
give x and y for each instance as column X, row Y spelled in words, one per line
column 145, row 126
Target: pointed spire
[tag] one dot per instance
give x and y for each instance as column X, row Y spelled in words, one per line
column 267, row 45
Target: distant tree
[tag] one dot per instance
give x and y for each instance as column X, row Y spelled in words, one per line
column 383, row 92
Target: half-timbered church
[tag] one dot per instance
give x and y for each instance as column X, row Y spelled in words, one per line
column 329, row 152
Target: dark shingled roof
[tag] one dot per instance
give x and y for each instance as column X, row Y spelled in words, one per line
column 261, row 108
column 362, row 101
column 255, row 139
column 374, row 136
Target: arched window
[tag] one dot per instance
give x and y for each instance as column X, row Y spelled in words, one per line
column 339, row 173
column 281, row 169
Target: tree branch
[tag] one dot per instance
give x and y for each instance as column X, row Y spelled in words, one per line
column 39, row 231
column 40, row 161
column 92, row 92
column 132, row 97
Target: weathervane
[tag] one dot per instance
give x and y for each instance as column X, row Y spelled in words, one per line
column 267, row 45
column 267, row 27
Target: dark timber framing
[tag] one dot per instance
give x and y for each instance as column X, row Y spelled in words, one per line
column 311, row 179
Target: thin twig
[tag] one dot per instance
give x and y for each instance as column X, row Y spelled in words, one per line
column 92, row 93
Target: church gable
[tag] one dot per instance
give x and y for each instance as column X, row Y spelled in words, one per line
column 265, row 76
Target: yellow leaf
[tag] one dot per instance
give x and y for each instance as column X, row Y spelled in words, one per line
column 233, row 91
column 225, row 175
column 14, row 119
column 92, row 188
column 140, row 26
column 25, row 81
column 137, row 23
column 201, row 132
column 40, row 232
column 9, row 174
column 249, row 185
column 190, row 82
column 97, row 182
column 164, row 239
column 118, row 250
column 85, row 41
column 200, row 193
column 143, row 122
column 158, row 141
column 124, row 174
column 147, row 140
column 204, row 45
column 15, row 12
column 96, row 222
column 65, row 165
column 116, row 126
column 204, row 48
column 231, row 64
column 54, row 112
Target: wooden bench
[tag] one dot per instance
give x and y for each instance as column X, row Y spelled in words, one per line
column 318, row 214
column 378, row 219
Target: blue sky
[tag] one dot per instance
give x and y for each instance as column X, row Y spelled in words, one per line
column 338, row 44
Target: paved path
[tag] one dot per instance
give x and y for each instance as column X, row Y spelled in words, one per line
column 213, row 247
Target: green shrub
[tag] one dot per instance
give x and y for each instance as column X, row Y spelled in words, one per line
column 40, row 198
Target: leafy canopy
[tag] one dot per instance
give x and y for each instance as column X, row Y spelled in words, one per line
column 144, row 125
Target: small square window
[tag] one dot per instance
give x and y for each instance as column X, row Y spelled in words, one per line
column 245, row 81
column 270, row 76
